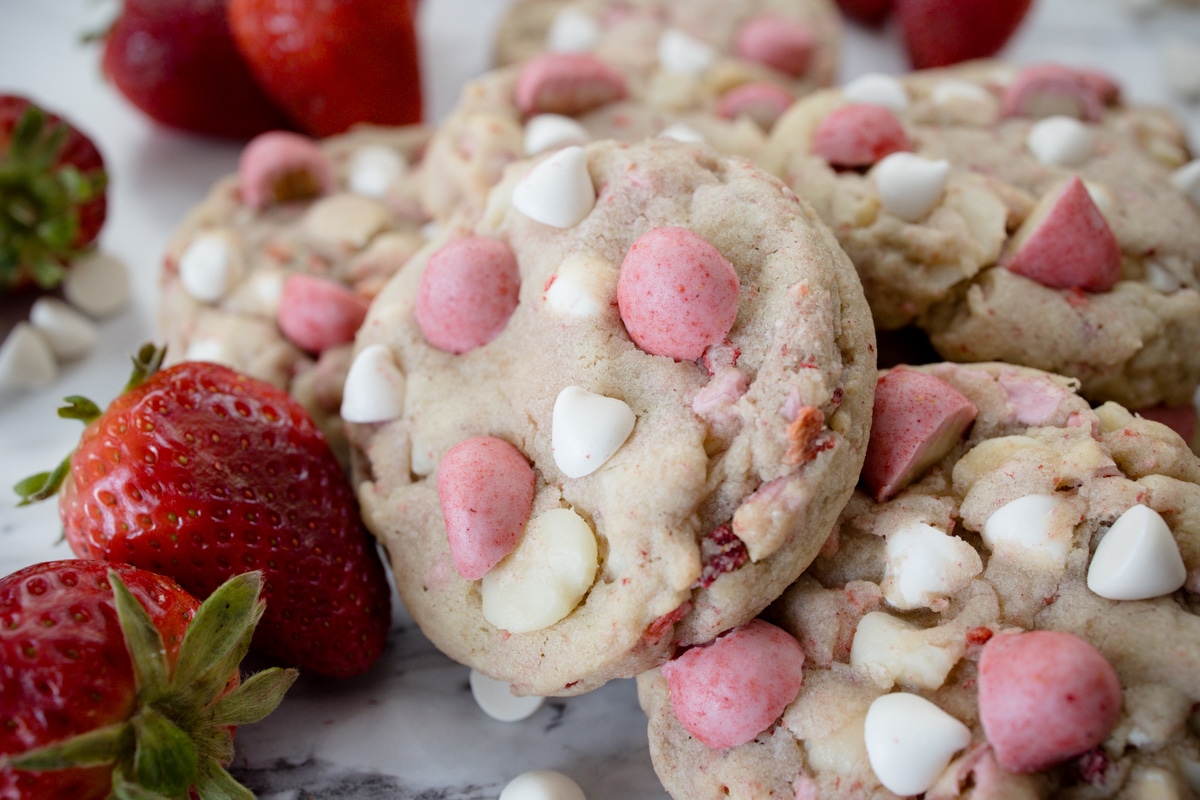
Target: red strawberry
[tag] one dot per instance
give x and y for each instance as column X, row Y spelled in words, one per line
column 942, row 32
column 176, row 61
column 872, row 12
column 199, row 472
column 52, row 198
column 114, row 681
column 333, row 64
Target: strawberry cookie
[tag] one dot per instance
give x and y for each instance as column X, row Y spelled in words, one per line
column 1014, row 214
column 616, row 415
column 272, row 273
column 1006, row 609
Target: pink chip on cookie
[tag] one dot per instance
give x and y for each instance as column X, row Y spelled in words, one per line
column 780, row 43
column 1042, row 90
column 316, row 313
column 567, row 83
column 676, row 293
column 859, row 135
column 762, row 102
column 467, row 292
column 279, row 166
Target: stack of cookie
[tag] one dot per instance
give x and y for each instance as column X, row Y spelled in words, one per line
column 598, row 352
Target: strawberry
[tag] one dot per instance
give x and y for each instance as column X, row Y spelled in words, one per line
column 52, row 193
column 938, row 33
column 176, row 61
column 115, row 682
column 871, row 12
column 335, row 63
column 199, row 472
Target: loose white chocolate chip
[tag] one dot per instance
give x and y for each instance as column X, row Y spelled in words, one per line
column 583, row 287
column 1060, row 140
column 557, row 191
column 26, row 360
column 572, row 31
column 687, row 55
column 910, row 741
column 497, row 700
column 375, row 169
column 69, row 333
column 545, row 577
column 923, row 565
column 587, row 429
column 909, row 185
column 374, row 388
column 97, row 284
column 892, row 651
column 681, row 132
column 1137, row 559
column 209, row 267
column 1027, row 527
column 953, row 90
column 877, row 89
column 552, row 131
column 542, row 784
column 1187, row 180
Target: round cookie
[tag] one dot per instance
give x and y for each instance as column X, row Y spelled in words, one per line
column 619, row 499
column 272, row 272
column 1007, row 608
column 1065, row 243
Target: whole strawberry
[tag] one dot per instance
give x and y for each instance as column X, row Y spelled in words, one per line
column 938, row 33
column 334, row 63
column 52, row 193
column 199, row 472
column 115, row 682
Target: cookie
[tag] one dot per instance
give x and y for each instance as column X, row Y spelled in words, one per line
column 1020, row 215
column 1007, row 608
column 272, row 272
column 615, row 415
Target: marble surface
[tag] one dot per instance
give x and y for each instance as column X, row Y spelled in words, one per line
column 409, row 729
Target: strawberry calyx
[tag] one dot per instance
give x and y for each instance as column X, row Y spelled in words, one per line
column 180, row 737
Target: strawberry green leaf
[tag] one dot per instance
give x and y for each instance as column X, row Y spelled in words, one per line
column 43, row 485
column 92, row 749
column 214, row 783
column 142, row 640
column 165, row 760
column 219, row 636
column 147, row 361
column 258, row 696
column 80, row 408
column 125, row 789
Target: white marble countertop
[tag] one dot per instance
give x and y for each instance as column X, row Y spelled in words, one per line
column 409, row 729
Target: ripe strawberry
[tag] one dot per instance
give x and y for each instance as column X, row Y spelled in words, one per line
column 199, row 473
column 938, row 33
column 115, row 682
column 871, row 12
column 176, row 61
column 335, row 63
column 52, row 193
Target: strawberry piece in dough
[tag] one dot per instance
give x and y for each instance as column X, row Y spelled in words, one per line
column 279, row 166
column 467, row 293
column 676, row 293
column 317, row 313
column 1044, row 90
column 778, row 42
column 1044, row 697
column 486, row 488
column 761, row 102
column 916, row 420
column 567, row 83
column 858, row 135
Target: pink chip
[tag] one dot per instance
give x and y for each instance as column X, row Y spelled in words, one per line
column 1045, row 696
column 762, row 102
column 486, row 488
column 676, row 294
column 467, row 293
column 778, row 42
column 858, row 135
column 317, row 313
column 567, row 83
column 728, row 692
column 279, row 166
column 1043, row 90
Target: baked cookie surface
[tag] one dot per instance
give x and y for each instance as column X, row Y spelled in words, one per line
column 638, row 430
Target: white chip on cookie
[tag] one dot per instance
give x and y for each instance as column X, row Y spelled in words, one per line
column 878, row 89
column 910, row 741
column 1061, row 140
column 909, row 185
column 553, row 131
column 557, row 191
column 1138, row 558
column 588, row 429
column 374, row 388
column 679, row 52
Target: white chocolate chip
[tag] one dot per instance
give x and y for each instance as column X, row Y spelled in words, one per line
column 209, row 267
column 909, row 185
column 681, row 132
column 552, row 131
column 545, row 577
column 1187, row 180
column 1060, row 140
column 892, row 651
column 1031, row 526
column 26, row 360
column 1137, row 559
column 583, row 287
column 910, row 741
column 97, row 284
column 374, row 169
column 572, row 31
column 684, row 54
column 542, row 784
column 344, row 222
column 877, row 89
column 587, row 429
column 1162, row 279
column 497, row 700
column 374, row 388
column 1102, row 196
column 557, row 191
column 430, row 229
column 69, row 333
column 923, row 565
column 955, row 90
column 211, row 350
column 1181, row 63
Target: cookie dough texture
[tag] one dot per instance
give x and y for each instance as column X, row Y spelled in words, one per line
column 801, row 347
column 1098, row 463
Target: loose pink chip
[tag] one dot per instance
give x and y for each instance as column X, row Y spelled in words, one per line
column 468, row 291
column 1045, row 696
column 728, row 692
column 762, row 102
column 1043, row 90
column 317, row 313
column 778, row 42
column 567, row 83
column 279, row 166
column 676, row 293
column 486, row 488
column 858, row 135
